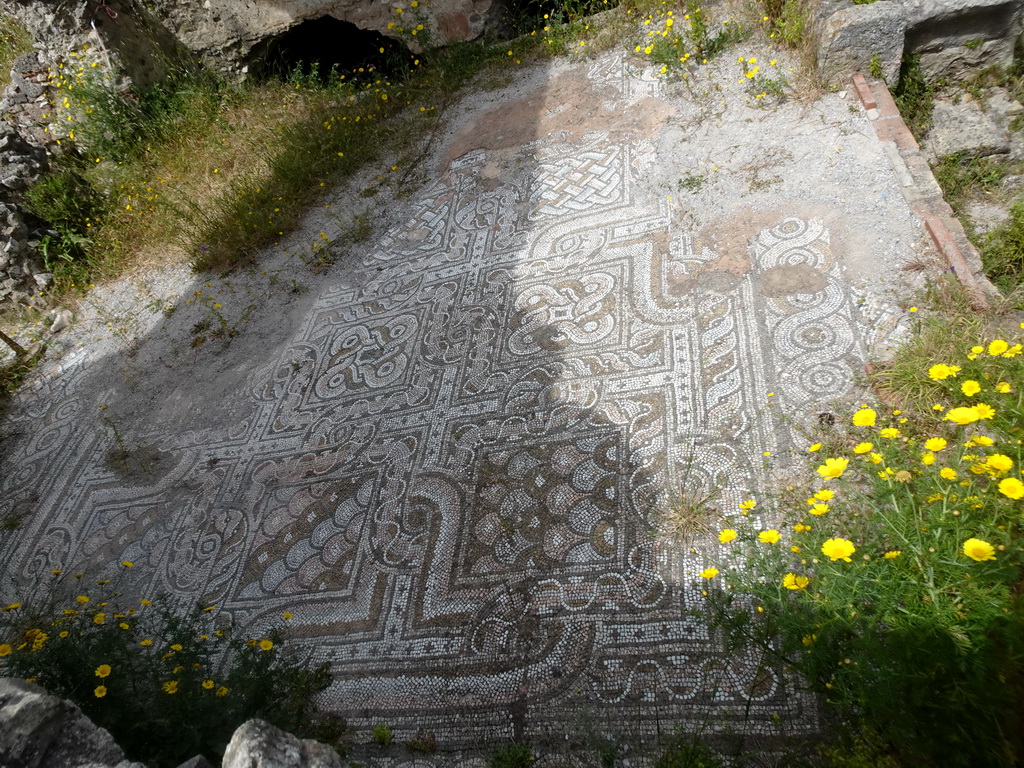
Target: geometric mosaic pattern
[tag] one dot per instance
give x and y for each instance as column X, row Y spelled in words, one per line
column 452, row 474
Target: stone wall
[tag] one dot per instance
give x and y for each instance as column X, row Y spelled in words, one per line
column 23, row 159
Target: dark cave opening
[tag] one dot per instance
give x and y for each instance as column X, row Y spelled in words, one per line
column 327, row 48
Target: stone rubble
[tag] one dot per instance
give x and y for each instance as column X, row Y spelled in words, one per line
column 39, row 730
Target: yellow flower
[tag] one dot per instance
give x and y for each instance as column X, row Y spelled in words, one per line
column 865, row 417
column 833, row 468
column 800, row 527
column 927, row 459
column 903, row 476
column 1003, row 388
column 876, row 458
column 997, row 347
column 947, row 474
column 825, row 495
column 82, row 599
column 962, row 415
column 982, row 440
column 127, row 563
column 145, row 602
column 890, row 433
column 207, row 684
column 935, row 443
column 727, row 535
column 998, row 462
column 863, row 447
column 838, row 549
column 709, row 573
column 1012, row 488
column 222, row 691
column 808, row 639
column 792, row 581
column 99, row 618
column 102, row 670
column 11, row 607
column 6, row 649
column 747, row 505
column 892, row 554
column 970, row 388
column 100, row 691
column 147, row 641
column 814, row 448
column 178, row 670
column 979, row 550
column 176, row 647
column 266, row 645
column 771, row 536
column 819, row 509
column 287, row 616
column 171, row 686
column 985, row 411
column 940, row 371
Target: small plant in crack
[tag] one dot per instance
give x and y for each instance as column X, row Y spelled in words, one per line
column 214, row 326
column 381, row 734
column 118, row 456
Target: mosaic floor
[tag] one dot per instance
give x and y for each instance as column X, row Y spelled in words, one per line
column 453, row 473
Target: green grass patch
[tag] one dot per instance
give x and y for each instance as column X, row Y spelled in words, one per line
column 1002, row 254
column 962, row 177
column 14, row 41
column 914, row 96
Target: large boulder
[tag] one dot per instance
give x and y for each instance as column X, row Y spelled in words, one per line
column 258, row 744
column 225, row 32
column 956, row 38
column 856, row 39
column 38, row 730
column 152, row 38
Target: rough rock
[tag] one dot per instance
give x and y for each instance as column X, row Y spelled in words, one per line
column 38, row 730
column 258, row 744
column 1001, row 109
column 61, row 319
column 958, row 37
column 851, row 36
column 964, row 128
column 986, row 216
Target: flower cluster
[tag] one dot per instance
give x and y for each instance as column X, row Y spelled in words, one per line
column 909, row 532
column 134, row 666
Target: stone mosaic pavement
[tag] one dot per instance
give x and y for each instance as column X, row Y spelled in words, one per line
column 452, row 467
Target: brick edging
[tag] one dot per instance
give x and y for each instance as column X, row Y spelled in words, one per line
column 923, row 192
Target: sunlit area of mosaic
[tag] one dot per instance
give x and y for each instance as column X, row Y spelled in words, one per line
column 453, row 470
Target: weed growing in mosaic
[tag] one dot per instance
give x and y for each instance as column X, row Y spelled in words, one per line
column 166, row 685
column 381, row 734
column 894, row 586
